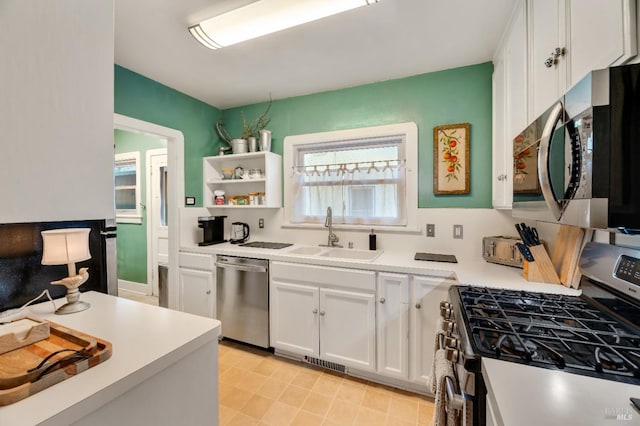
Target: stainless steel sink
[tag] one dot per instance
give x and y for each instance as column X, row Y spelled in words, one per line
column 352, row 254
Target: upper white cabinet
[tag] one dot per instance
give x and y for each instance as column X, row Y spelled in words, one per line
column 569, row 38
column 509, row 104
column 549, row 46
column 266, row 179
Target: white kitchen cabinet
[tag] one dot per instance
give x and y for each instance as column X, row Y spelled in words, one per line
column 348, row 328
column 270, row 183
column 589, row 34
column 426, row 294
column 509, row 104
column 392, row 325
column 294, row 317
column 197, row 284
column 324, row 312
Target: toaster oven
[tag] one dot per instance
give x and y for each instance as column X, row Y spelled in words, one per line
column 502, row 250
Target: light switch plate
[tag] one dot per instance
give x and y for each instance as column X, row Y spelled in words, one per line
column 190, row 201
column 261, row 223
column 457, row 231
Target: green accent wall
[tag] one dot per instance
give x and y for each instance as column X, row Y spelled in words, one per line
column 132, row 237
column 139, row 97
column 459, row 95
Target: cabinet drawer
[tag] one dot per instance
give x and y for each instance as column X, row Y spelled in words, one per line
column 196, row 261
column 322, row 275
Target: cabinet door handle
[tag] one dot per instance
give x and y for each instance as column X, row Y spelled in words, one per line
column 553, row 59
column 322, row 313
column 418, row 306
column 382, row 300
column 502, row 177
column 208, row 291
column 315, row 311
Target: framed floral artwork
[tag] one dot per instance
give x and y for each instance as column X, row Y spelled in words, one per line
column 451, row 161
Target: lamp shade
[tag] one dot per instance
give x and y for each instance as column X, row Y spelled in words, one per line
column 264, row 17
column 64, row 246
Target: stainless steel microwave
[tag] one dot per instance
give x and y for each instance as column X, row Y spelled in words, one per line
column 579, row 163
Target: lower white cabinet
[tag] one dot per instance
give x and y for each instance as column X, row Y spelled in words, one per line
column 326, row 313
column 408, row 309
column 197, row 284
column 426, row 294
column 393, row 325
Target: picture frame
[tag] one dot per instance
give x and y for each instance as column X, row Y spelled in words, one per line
column 451, row 160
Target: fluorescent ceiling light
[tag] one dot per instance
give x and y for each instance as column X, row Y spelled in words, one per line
column 265, row 17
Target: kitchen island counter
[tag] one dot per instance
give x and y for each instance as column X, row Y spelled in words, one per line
column 524, row 395
column 159, row 357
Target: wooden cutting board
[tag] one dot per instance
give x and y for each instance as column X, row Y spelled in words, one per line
column 566, row 252
column 32, row 368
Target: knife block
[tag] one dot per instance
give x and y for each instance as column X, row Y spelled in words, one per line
column 541, row 269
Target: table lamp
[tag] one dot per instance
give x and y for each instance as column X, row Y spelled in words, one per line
column 66, row 247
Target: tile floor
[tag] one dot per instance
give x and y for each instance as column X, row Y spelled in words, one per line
column 258, row 388
column 138, row 297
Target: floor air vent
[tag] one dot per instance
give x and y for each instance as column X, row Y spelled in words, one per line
column 325, row 364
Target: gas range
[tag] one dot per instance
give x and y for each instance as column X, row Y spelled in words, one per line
column 552, row 331
column 595, row 334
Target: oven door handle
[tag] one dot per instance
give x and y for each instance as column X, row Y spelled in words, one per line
column 455, row 402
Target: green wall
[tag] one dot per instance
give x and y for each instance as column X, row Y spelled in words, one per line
column 132, row 237
column 457, row 95
column 139, row 97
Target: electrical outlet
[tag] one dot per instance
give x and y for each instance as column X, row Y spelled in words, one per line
column 457, row 231
column 261, row 223
column 431, row 230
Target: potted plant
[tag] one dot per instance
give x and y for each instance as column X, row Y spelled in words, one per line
column 250, row 130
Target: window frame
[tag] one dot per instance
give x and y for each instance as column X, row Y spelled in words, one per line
column 408, row 131
column 129, row 215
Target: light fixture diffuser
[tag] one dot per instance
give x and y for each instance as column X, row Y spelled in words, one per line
column 264, row 17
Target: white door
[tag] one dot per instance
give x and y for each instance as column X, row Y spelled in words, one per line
column 197, row 290
column 157, row 218
column 347, row 328
column 426, row 295
column 392, row 329
column 294, row 318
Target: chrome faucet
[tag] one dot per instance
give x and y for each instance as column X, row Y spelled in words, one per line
column 332, row 238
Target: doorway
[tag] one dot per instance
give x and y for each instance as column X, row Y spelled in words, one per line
column 173, row 191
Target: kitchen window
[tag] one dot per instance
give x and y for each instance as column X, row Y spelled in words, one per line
column 367, row 176
column 127, row 187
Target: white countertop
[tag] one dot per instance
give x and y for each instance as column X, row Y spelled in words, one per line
column 146, row 339
column 473, row 271
column 527, row 395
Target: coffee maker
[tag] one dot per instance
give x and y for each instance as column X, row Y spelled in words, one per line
column 213, row 229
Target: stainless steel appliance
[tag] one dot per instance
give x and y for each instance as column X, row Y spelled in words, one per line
column 502, row 250
column 242, row 285
column 596, row 334
column 239, row 232
column 577, row 163
column 212, row 230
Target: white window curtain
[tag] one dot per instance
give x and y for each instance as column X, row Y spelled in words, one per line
column 363, row 181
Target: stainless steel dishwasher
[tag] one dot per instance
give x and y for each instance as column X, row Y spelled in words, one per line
column 242, row 285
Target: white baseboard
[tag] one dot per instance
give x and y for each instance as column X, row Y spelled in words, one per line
column 135, row 287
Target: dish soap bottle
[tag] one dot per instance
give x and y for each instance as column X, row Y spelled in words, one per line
column 372, row 241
